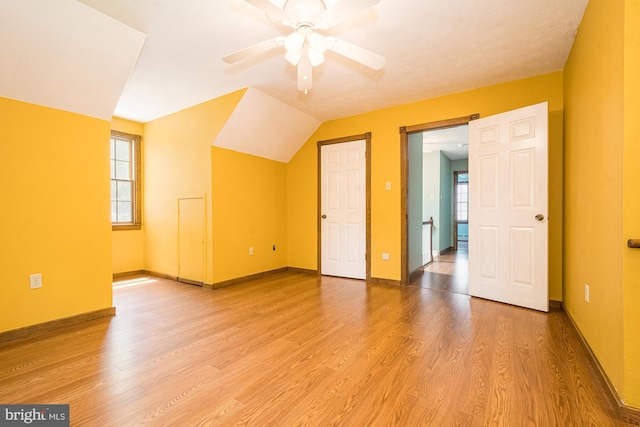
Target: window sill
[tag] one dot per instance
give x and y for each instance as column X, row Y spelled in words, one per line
column 123, row 227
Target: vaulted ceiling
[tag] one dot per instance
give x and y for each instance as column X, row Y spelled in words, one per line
column 144, row 59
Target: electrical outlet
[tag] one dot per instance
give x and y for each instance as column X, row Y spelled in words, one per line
column 35, row 281
column 385, row 256
column 250, row 250
column 586, row 292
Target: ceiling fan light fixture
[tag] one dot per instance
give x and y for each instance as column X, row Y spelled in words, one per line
column 294, row 42
column 293, row 57
column 317, row 42
column 316, row 58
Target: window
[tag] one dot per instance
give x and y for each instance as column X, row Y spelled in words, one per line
column 125, row 181
column 461, row 204
column 463, row 201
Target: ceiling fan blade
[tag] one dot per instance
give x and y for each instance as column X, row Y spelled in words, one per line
column 346, row 8
column 254, row 50
column 357, row 53
column 269, row 8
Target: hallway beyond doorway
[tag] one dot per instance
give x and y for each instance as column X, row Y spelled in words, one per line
column 448, row 272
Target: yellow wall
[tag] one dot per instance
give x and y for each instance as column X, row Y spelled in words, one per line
column 602, row 190
column 385, row 205
column 631, row 195
column 302, row 202
column 55, row 214
column 128, row 245
column 177, row 157
column 249, row 210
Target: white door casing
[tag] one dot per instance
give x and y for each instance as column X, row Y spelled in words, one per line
column 343, row 209
column 508, row 209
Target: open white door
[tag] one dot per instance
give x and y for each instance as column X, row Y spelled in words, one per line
column 343, row 207
column 508, row 207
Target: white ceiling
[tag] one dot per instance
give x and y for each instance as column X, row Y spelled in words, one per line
column 453, row 142
column 433, row 47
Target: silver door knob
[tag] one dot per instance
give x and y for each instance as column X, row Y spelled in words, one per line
column 324, row 217
column 539, row 217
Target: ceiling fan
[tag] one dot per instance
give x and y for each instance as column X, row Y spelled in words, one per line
column 305, row 46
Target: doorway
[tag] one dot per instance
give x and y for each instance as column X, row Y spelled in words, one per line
column 344, row 207
column 443, row 198
column 412, row 195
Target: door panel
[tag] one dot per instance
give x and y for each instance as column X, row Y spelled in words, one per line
column 343, row 206
column 191, row 240
column 489, row 169
column 489, row 250
column 522, row 178
column 522, row 266
column 508, row 245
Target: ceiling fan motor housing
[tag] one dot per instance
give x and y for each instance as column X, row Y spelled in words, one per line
column 304, row 12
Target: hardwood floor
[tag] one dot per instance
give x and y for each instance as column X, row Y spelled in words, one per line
column 293, row 349
column 448, row 272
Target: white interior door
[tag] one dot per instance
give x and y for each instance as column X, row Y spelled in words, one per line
column 191, row 239
column 343, row 207
column 508, row 207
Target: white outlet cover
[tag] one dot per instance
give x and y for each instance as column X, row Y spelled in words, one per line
column 35, row 281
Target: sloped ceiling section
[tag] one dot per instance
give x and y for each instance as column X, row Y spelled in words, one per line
column 265, row 127
column 65, row 55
